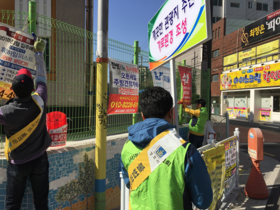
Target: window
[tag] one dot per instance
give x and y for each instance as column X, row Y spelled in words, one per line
column 276, row 5
column 236, row 5
column 218, row 2
column 262, row 7
column 219, row 32
column 216, row 34
column 216, row 53
column 250, row 5
column 216, row 19
column 215, row 78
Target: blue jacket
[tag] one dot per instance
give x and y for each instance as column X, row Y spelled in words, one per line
column 197, row 181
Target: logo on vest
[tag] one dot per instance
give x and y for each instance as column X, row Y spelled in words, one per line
column 160, row 152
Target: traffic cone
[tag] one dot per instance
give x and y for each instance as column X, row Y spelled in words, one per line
column 256, row 187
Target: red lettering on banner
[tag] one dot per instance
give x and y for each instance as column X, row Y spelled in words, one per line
column 6, row 58
column 259, row 69
column 22, row 63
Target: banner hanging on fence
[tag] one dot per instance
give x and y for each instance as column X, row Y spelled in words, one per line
column 124, row 88
column 215, row 161
column 230, row 158
column 186, row 79
column 161, row 78
column 16, row 52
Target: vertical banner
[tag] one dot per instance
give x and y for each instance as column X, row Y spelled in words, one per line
column 230, row 157
column 215, row 161
column 186, row 78
column 124, row 88
column 16, row 52
column 161, row 78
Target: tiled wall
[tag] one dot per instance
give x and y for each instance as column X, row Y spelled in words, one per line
column 64, row 167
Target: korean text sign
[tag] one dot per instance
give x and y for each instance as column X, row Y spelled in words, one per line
column 265, row 27
column 186, row 78
column 178, row 26
column 124, row 88
column 215, row 161
column 161, row 78
column 16, row 52
column 264, row 76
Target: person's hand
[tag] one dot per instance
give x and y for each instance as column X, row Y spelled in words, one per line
column 39, row 45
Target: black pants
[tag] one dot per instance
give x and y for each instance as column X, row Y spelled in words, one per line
column 38, row 172
column 196, row 140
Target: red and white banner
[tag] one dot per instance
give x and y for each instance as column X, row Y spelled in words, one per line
column 124, row 88
column 186, row 78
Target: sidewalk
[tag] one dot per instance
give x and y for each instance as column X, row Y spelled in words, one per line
column 270, row 169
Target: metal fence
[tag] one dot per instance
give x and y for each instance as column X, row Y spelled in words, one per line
column 71, row 74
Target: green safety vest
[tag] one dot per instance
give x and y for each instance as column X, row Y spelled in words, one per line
column 198, row 128
column 162, row 187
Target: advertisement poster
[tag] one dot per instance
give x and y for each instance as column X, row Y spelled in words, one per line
column 16, row 52
column 186, row 78
column 176, row 27
column 161, row 78
column 230, row 160
column 263, row 76
column 124, row 88
column 215, row 161
column 265, row 114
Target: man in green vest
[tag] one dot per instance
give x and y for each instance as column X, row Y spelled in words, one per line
column 197, row 123
column 160, row 168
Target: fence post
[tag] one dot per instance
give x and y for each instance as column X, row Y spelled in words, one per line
column 32, row 16
column 236, row 133
column 135, row 62
column 174, row 92
column 181, row 111
column 101, row 105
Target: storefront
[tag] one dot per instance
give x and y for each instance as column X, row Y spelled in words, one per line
column 252, row 94
column 215, row 105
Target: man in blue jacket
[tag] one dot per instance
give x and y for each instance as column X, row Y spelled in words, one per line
column 160, row 168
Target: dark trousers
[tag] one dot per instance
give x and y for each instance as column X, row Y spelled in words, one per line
column 196, row 140
column 38, row 172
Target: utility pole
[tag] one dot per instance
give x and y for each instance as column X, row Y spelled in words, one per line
column 32, row 16
column 181, row 111
column 89, row 71
column 135, row 62
column 101, row 105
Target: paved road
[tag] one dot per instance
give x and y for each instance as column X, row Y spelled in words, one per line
column 273, row 151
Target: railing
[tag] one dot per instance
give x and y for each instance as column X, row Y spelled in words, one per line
column 125, row 190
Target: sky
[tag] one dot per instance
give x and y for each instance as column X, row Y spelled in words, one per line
column 128, row 20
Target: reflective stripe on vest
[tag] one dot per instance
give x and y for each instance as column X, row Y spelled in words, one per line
column 152, row 156
column 18, row 138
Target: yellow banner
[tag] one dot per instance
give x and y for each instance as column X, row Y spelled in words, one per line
column 251, row 53
column 215, row 161
column 230, row 59
column 264, row 76
column 268, row 48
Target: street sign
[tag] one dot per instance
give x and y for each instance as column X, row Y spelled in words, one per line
column 178, row 26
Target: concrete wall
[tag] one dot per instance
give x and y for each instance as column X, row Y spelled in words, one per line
column 64, row 167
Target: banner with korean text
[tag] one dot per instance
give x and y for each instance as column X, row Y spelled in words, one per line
column 186, row 78
column 215, row 161
column 16, row 52
column 178, row 26
column 161, row 78
column 124, row 88
column 263, row 76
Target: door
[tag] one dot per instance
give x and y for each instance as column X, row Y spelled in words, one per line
column 275, row 109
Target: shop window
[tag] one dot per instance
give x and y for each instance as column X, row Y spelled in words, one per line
column 216, row 53
column 236, row 5
column 276, row 104
column 218, row 2
column 215, row 77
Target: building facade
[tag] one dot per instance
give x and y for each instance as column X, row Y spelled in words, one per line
column 245, row 70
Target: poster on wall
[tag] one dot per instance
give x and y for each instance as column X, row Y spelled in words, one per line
column 230, row 160
column 215, row 161
column 263, row 76
column 16, row 52
column 176, row 27
column 161, row 78
column 186, row 79
column 124, row 88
